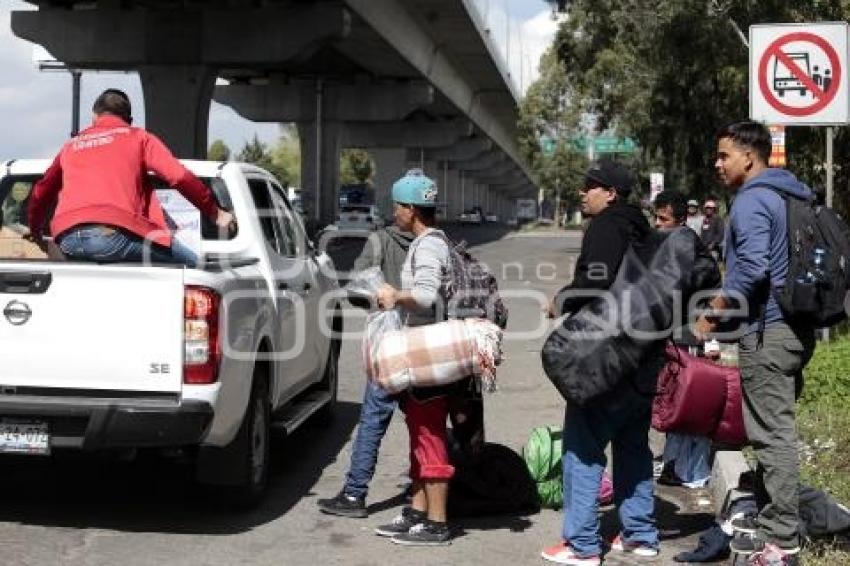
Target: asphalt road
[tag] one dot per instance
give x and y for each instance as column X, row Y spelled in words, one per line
column 75, row 510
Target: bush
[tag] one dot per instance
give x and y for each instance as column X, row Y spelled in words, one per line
column 828, row 374
column 824, row 427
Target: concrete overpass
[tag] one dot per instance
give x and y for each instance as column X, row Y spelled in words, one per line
column 414, row 81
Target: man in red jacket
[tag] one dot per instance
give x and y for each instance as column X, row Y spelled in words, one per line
column 106, row 209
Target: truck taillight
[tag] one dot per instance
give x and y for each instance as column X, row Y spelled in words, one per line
column 202, row 351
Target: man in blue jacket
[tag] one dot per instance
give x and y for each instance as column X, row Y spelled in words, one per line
column 772, row 352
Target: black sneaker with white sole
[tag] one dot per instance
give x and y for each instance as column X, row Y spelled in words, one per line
column 427, row 533
column 344, row 506
column 746, row 524
column 401, row 523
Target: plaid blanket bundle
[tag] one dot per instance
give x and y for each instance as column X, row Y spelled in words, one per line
column 437, row 354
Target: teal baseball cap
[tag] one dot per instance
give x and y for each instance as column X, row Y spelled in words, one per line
column 415, row 188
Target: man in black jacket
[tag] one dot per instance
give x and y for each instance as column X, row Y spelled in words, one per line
column 613, row 226
column 622, row 419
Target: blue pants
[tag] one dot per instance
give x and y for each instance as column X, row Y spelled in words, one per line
column 92, row 244
column 690, row 455
column 375, row 416
column 624, row 422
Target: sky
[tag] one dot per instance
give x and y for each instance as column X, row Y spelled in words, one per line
column 35, row 106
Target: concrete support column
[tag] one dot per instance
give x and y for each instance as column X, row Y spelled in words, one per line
column 320, row 169
column 452, row 190
column 463, row 187
column 177, row 106
column 390, row 164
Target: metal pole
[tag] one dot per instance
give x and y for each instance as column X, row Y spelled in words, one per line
column 319, row 117
column 446, row 184
column 829, row 166
column 75, row 101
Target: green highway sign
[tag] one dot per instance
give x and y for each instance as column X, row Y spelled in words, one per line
column 547, row 145
column 601, row 145
column 605, row 144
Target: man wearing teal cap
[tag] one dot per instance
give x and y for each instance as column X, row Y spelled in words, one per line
column 423, row 279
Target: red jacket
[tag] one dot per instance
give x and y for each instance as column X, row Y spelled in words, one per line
column 100, row 177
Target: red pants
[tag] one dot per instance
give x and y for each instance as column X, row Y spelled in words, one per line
column 426, row 424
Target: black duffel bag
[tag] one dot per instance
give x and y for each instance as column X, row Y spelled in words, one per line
column 609, row 338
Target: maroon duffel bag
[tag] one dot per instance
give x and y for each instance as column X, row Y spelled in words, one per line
column 698, row 397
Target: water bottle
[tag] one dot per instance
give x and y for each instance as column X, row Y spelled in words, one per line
column 819, row 264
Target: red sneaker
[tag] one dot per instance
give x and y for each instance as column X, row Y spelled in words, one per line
column 563, row 553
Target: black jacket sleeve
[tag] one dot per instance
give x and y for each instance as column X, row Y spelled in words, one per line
column 602, row 250
column 713, row 236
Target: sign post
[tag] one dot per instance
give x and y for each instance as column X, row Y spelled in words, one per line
column 829, row 171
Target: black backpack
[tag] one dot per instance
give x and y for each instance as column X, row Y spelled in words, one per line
column 818, row 278
column 492, row 481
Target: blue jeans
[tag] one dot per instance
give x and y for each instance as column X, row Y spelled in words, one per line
column 690, row 455
column 92, row 244
column 624, row 422
column 375, row 416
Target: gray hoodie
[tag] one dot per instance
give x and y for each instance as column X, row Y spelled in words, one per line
column 386, row 249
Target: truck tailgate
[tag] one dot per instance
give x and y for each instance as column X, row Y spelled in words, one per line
column 91, row 327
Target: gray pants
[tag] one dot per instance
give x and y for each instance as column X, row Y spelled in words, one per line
column 771, row 380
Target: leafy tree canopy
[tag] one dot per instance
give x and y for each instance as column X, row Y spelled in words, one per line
column 669, row 73
column 218, row 151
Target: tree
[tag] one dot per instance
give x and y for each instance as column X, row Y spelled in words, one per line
column 286, row 153
column 355, row 167
column 548, row 119
column 254, row 151
column 218, row 151
column 257, row 152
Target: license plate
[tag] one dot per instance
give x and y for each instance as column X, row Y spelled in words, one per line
column 24, row 437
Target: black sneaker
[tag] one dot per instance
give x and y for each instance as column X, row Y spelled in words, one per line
column 427, row 533
column 401, row 523
column 668, row 476
column 746, row 524
column 749, row 545
column 344, row 506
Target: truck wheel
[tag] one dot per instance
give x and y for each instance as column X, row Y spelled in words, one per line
column 243, row 465
column 330, row 382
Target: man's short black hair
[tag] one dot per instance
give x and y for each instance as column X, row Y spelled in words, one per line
column 115, row 102
column 753, row 135
column 676, row 201
column 428, row 214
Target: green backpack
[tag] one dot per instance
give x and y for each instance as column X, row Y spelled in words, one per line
column 542, row 454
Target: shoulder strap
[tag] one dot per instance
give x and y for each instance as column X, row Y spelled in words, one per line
column 437, row 233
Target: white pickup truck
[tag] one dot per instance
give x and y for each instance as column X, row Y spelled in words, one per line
column 123, row 356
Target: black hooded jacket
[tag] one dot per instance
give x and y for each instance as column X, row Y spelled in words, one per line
column 605, row 242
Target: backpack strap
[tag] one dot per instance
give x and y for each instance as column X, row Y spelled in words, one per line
column 443, row 291
column 439, row 234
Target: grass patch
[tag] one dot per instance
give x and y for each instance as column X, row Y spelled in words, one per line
column 824, row 427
